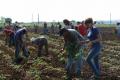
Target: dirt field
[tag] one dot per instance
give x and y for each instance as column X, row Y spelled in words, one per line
column 51, row 67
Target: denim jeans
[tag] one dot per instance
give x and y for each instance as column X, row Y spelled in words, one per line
column 18, row 46
column 78, row 64
column 93, row 58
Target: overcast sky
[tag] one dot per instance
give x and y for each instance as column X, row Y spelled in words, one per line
column 49, row 10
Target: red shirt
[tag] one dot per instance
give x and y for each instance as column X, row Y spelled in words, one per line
column 8, row 30
column 82, row 30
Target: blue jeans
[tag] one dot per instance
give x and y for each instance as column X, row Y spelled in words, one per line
column 70, row 62
column 18, row 46
column 93, row 59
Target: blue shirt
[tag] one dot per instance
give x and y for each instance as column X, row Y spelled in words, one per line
column 93, row 34
column 19, row 34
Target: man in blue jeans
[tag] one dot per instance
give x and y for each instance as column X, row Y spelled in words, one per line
column 74, row 49
column 20, row 43
column 94, row 42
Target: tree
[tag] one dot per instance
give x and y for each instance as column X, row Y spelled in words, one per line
column 8, row 20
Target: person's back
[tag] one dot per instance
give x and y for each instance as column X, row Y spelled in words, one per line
column 75, row 36
column 74, row 51
column 38, row 41
column 20, row 33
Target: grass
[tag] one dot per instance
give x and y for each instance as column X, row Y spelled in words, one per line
column 105, row 25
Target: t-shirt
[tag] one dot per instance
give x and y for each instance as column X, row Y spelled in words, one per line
column 73, row 46
column 82, row 30
column 93, row 33
column 20, row 33
column 40, row 41
column 75, row 36
column 68, row 26
column 8, row 30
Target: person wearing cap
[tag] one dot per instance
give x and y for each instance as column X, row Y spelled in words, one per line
column 40, row 42
column 73, row 47
column 94, row 43
column 20, row 43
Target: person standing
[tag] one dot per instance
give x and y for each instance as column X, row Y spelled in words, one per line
column 94, row 43
column 52, row 28
column 45, row 29
column 118, row 30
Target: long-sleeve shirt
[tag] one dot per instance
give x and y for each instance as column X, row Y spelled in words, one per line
column 73, row 44
column 40, row 41
column 20, row 33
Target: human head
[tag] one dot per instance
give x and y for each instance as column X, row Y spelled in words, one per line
column 66, row 22
column 24, row 30
column 78, row 23
column 118, row 23
column 63, row 31
column 89, row 22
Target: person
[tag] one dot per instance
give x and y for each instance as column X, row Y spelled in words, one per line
column 59, row 26
column 82, row 29
column 67, row 24
column 9, row 37
column 74, row 50
column 94, row 43
column 20, row 43
column 118, row 30
column 40, row 42
column 76, row 27
column 45, row 30
column 16, row 26
column 9, row 34
column 52, row 28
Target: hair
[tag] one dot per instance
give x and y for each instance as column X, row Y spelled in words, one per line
column 24, row 30
column 118, row 23
column 62, row 30
column 89, row 20
column 78, row 22
column 66, row 21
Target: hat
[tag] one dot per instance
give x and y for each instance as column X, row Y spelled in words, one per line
column 62, row 30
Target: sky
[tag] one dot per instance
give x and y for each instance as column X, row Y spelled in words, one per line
column 57, row 10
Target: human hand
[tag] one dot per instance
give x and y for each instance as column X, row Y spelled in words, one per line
column 61, row 50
